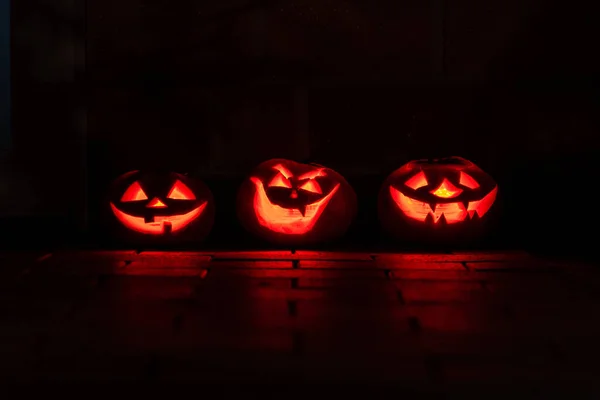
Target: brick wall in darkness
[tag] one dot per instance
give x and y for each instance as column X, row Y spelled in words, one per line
column 215, row 87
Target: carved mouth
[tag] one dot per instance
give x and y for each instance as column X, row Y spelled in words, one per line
column 161, row 224
column 452, row 212
column 288, row 221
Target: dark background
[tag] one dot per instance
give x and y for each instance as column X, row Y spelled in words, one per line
column 4, row 78
column 100, row 87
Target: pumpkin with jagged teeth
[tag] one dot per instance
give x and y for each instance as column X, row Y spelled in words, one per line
column 292, row 203
column 447, row 194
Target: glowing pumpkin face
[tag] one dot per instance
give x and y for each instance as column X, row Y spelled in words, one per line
column 162, row 205
column 438, row 195
column 292, row 203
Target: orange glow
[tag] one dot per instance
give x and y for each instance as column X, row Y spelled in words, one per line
column 411, row 208
column 482, row 206
column 417, row 181
column 312, row 174
column 285, row 220
column 284, row 171
column 311, row 186
column 280, row 181
column 446, row 190
column 452, row 212
column 161, row 224
column 156, row 203
column 134, row 193
column 180, row 191
column 468, row 181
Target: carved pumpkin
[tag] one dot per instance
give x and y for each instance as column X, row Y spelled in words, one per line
column 161, row 207
column 290, row 203
column 445, row 199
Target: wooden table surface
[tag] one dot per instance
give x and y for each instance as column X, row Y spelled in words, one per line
column 419, row 320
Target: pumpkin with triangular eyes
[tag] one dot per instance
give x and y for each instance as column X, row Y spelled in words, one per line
column 448, row 199
column 161, row 206
column 295, row 204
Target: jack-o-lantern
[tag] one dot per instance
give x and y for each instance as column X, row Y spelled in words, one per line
column 445, row 199
column 161, row 207
column 290, row 203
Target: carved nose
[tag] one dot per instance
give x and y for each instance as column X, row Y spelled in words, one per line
column 294, row 194
column 156, row 203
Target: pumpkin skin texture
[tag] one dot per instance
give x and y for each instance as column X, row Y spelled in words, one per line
column 288, row 203
column 161, row 207
column 440, row 200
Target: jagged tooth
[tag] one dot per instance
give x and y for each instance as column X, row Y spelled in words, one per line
column 442, row 220
column 302, row 210
column 167, row 228
column 430, row 219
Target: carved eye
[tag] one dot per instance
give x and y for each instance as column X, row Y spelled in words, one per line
column 180, row 191
column 417, row 181
column 468, row 181
column 283, row 171
column 134, row 193
column 311, row 186
column 280, row 181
